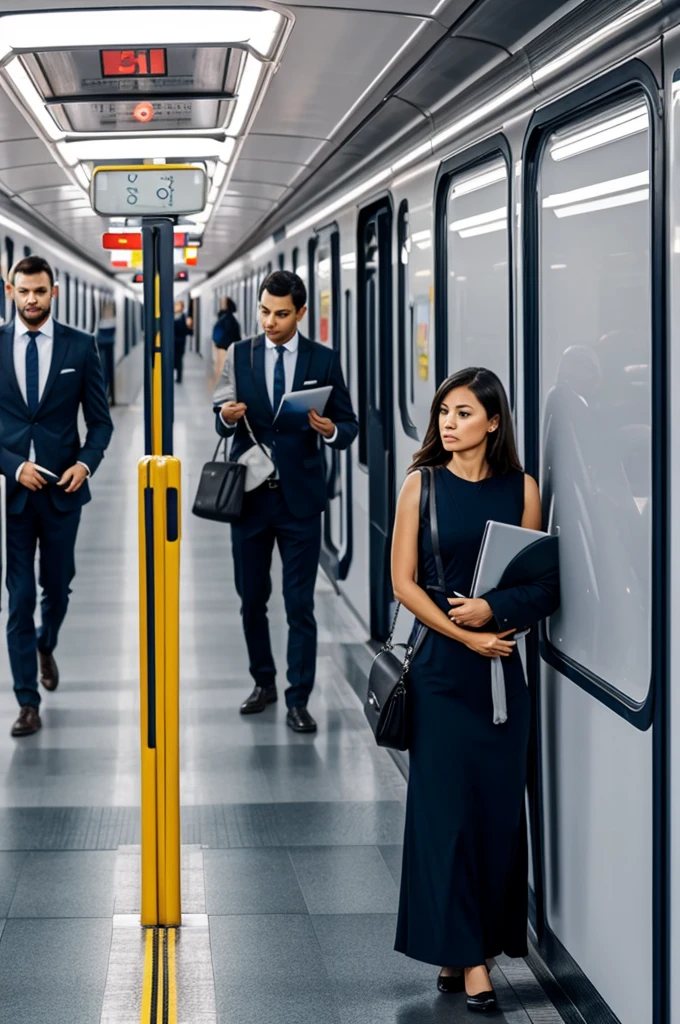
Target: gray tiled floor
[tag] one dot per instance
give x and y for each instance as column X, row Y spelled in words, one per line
column 301, row 834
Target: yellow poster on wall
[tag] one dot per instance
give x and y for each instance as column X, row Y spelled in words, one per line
column 325, row 316
column 421, row 328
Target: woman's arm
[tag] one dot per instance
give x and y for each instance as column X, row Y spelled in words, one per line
column 412, row 596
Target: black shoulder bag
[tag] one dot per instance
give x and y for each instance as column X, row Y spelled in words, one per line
column 220, row 488
column 386, row 706
column 222, row 483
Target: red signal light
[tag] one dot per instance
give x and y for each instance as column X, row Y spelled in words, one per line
column 143, row 112
column 138, row 278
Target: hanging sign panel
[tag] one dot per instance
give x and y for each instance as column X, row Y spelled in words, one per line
column 148, row 190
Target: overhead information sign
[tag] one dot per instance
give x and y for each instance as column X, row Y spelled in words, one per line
column 148, row 190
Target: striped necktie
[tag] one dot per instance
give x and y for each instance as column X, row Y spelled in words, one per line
column 32, row 372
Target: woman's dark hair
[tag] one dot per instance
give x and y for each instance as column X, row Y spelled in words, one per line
column 231, row 306
column 501, row 452
column 31, row 265
column 283, row 282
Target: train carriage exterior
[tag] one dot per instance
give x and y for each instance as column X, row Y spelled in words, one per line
column 537, row 232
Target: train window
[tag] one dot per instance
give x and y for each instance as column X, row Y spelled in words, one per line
column 93, row 311
column 295, row 259
column 595, row 365
column 55, row 301
column 477, row 269
column 27, row 251
column 282, row 261
column 76, row 304
column 67, row 298
column 407, row 354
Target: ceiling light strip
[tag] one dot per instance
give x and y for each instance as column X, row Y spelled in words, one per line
column 150, row 27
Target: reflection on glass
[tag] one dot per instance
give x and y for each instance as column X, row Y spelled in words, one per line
column 477, row 277
column 595, row 335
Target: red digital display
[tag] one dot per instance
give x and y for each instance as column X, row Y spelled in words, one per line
column 122, row 240
column 133, row 63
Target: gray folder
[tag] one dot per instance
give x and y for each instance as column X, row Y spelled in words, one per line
column 500, row 544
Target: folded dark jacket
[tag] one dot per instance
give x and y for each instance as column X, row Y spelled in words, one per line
column 529, row 589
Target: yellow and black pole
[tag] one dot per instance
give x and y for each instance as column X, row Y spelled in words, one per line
column 159, row 533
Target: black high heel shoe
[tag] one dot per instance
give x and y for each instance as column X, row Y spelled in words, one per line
column 451, row 982
column 483, row 1002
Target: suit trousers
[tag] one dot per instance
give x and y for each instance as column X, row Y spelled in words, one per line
column 55, row 533
column 266, row 521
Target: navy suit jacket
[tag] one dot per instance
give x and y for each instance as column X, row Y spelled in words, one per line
column 298, row 453
column 53, row 427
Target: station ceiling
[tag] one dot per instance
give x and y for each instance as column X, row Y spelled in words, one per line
column 335, row 63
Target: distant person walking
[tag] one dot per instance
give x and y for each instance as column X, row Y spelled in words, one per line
column 225, row 332
column 183, row 328
column 106, row 343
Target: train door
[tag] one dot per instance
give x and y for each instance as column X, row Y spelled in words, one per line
column 376, row 436
column 326, row 319
column 595, row 412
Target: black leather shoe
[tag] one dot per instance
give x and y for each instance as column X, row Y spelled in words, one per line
column 451, row 982
column 49, row 673
column 27, row 723
column 300, row 720
column 483, row 1002
column 258, row 700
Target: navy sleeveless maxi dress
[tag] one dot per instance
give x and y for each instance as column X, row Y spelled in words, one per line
column 464, row 875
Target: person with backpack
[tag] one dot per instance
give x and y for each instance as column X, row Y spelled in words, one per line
column 225, row 332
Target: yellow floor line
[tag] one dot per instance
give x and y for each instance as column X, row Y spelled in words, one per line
column 156, row 944
column 161, row 956
column 172, row 977
column 148, row 976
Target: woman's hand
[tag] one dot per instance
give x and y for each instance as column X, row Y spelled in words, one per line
column 491, row 645
column 470, row 612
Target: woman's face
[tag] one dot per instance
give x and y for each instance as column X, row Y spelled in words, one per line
column 463, row 422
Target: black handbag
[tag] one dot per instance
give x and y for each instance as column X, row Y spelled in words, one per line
column 387, row 701
column 220, row 488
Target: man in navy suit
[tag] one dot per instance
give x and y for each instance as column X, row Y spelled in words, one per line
column 287, row 508
column 47, row 371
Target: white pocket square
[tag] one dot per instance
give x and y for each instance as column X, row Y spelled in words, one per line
column 309, row 382
column 71, row 369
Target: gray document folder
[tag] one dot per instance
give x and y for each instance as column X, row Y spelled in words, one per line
column 500, row 544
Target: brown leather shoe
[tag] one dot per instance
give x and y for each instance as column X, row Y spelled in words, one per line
column 27, row 723
column 49, row 673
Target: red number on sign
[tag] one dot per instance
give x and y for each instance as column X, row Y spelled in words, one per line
column 133, row 63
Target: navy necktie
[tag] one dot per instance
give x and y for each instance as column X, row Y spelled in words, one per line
column 279, row 378
column 32, row 372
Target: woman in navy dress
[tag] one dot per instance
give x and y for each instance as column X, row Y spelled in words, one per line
column 464, row 875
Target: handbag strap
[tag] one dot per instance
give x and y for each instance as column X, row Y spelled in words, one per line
column 434, row 533
column 427, row 503
column 222, row 443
